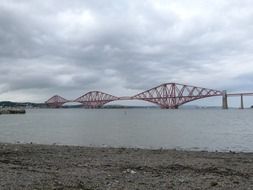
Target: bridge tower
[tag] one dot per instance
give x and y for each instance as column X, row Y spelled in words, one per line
column 242, row 106
column 224, row 99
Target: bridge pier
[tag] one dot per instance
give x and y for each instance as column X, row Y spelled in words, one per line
column 54, row 105
column 225, row 100
column 176, row 107
column 242, row 106
column 169, row 107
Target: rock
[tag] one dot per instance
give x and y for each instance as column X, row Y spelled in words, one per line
column 12, row 111
column 214, row 183
column 181, row 180
column 129, row 171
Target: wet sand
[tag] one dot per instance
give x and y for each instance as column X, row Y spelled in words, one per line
column 70, row 167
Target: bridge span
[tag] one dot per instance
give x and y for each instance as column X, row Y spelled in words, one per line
column 241, row 95
column 167, row 95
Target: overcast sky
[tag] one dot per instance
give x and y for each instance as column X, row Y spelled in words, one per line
column 122, row 47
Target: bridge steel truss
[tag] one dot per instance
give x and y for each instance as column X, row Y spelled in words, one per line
column 172, row 95
column 56, row 101
column 95, row 99
column 168, row 96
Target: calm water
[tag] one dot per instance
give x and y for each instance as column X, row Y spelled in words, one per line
column 202, row 129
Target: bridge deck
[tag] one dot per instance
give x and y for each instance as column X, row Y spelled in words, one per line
column 241, row 94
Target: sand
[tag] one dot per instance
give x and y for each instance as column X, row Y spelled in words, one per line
column 30, row 166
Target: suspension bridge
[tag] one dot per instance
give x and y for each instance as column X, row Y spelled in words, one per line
column 167, row 96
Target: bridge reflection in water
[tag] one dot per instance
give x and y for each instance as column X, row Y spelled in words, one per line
column 168, row 96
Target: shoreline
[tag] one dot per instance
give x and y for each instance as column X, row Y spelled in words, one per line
column 180, row 149
column 104, row 146
column 36, row 166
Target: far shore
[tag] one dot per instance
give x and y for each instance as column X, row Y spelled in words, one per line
column 33, row 166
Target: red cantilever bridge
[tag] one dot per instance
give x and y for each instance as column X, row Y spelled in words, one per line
column 168, row 95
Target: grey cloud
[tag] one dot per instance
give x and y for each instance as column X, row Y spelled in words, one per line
column 63, row 46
